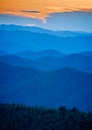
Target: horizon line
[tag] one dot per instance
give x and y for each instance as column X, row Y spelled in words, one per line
column 79, row 31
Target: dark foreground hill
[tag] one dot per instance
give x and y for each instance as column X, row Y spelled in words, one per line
column 61, row 87
column 21, row 117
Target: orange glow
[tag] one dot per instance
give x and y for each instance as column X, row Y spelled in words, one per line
column 29, row 8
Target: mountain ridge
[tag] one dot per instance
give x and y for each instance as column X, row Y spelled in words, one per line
column 23, row 40
column 52, row 89
column 39, row 54
column 50, row 63
column 42, row 30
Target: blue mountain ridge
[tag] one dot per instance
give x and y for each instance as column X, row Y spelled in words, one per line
column 50, row 63
column 53, row 88
column 86, row 53
column 2, row 53
column 28, row 54
column 12, row 27
column 14, row 41
column 46, row 68
column 10, row 74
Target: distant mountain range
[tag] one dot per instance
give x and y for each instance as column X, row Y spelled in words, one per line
column 40, row 54
column 55, row 88
column 49, row 60
column 44, row 31
column 14, row 41
column 2, row 53
column 42, row 67
column 10, row 74
column 86, row 53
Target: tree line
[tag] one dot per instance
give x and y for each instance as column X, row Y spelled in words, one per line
column 21, row 117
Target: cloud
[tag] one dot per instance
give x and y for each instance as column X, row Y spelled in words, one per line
column 74, row 20
column 56, row 9
column 85, row 9
column 31, row 24
column 31, row 11
column 19, row 20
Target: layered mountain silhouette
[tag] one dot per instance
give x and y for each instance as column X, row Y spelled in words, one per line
column 49, row 60
column 10, row 74
column 60, row 87
column 40, row 54
column 15, row 60
column 14, row 41
column 2, row 53
column 40, row 30
column 86, row 53
column 47, row 68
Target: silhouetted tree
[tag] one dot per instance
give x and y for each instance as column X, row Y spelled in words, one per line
column 21, row 117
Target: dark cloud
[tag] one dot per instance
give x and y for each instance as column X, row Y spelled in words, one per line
column 84, row 9
column 10, row 10
column 31, row 11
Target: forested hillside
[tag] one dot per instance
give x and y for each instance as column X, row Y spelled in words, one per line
column 21, row 117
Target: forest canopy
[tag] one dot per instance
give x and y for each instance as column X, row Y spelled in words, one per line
column 21, row 117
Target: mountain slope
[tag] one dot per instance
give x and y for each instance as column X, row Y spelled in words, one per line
column 86, row 53
column 10, row 74
column 15, row 41
column 40, row 54
column 41, row 30
column 55, row 88
column 15, row 60
column 2, row 53
column 75, row 61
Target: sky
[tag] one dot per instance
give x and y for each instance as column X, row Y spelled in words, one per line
column 73, row 15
